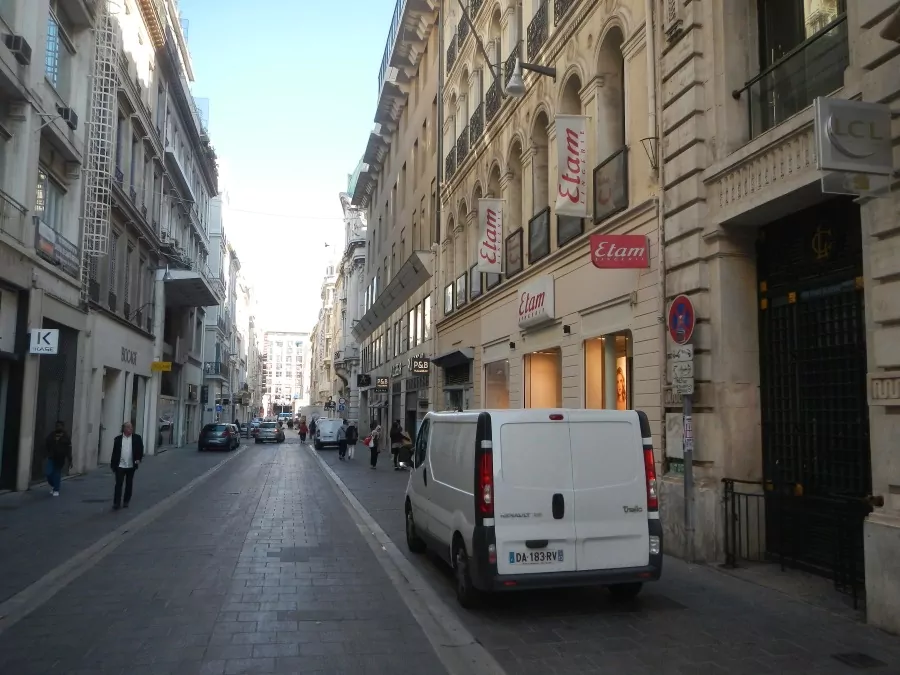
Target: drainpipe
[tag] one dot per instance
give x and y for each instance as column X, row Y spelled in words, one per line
column 655, row 132
column 437, row 297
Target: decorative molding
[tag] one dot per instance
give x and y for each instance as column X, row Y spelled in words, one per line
column 884, row 388
column 673, row 19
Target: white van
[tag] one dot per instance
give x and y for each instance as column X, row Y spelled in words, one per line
column 517, row 499
column 326, row 432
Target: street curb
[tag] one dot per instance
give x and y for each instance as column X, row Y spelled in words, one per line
column 456, row 647
column 32, row 597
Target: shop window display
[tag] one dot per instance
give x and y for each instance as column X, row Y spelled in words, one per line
column 607, row 372
column 496, row 385
column 543, row 379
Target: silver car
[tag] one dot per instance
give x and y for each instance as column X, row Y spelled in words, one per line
column 270, row 432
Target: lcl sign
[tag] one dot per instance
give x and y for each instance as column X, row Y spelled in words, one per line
column 853, row 136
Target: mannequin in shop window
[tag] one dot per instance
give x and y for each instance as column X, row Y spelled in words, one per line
column 621, row 390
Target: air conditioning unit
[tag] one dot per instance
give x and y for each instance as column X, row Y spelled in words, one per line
column 73, row 170
column 19, row 47
column 69, row 116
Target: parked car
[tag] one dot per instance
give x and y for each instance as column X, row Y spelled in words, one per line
column 218, row 436
column 518, row 499
column 270, row 432
column 326, row 433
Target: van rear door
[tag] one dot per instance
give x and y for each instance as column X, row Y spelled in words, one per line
column 610, row 489
column 533, row 496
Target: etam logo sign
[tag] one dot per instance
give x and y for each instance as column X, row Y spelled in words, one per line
column 537, row 303
column 620, row 251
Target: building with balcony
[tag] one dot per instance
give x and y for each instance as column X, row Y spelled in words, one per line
column 219, row 324
column 286, row 357
column 550, row 325
column 797, row 349
column 324, row 383
column 397, row 190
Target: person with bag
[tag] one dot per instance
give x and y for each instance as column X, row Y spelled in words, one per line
column 352, row 438
column 404, row 457
column 303, row 429
column 374, row 439
column 396, row 440
column 58, row 448
column 128, row 451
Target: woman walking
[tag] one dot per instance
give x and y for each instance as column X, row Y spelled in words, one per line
column 303, row 431
column 396, row 441
column 352, row 438
column 374, row 440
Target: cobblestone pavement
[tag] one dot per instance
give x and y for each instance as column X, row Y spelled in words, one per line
column 258, row 570
column 39, row 532
column 695, row 620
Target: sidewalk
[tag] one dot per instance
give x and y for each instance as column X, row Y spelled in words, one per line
column 696, row 619
column 259, row 570
column 39, row 532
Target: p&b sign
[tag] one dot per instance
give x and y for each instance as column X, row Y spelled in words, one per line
column 44, row 341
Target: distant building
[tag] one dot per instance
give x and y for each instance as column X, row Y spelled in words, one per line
column 285, row 371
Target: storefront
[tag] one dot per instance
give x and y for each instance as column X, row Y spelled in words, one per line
column 563, row 335
column 418, row 383
column 121, row 358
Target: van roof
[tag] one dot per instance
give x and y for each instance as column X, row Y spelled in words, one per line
column 541, row 414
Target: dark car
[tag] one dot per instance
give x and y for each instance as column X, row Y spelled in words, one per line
column 219, row 436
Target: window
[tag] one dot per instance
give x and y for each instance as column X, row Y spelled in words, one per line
column 543, row 379
column 422, row 443
column 539, row 236
column 461, row 298
column 496, row 384
column 59, row 53
column 607, row 372
column 411, row 328
column 514, row 253
column 491, row 280
column 49, row 201
column 112, row 281
column 426, row 319
column 420, row 334
column 474, row 282
column 134, row 161
column 448, row 299
column 126, row 295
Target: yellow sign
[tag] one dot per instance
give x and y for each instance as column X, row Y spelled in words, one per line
column 161, row 366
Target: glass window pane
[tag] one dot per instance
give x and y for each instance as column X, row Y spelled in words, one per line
column 496, row 385
column 427, row 318
column 543, row 379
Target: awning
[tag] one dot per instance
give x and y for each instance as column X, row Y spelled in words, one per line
column 415, row 271
column 455, row 357
column 187, row 288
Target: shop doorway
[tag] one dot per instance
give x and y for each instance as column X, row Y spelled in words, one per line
column 815, row 425
column 543, row 379
column 56, row 392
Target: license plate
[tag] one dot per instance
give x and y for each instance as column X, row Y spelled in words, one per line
column 535, row 557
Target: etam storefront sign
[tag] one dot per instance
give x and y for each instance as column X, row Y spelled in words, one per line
column 537, row 303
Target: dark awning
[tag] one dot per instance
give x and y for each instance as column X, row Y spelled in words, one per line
column 455, row 357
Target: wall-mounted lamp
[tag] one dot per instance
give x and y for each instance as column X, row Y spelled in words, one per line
column 651, row 147
column 516, row 85
column 567, row 330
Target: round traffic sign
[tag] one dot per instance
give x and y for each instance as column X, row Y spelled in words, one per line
column 681, row 320
column 342, row 400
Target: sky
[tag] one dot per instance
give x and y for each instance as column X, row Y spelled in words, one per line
column 292, row 88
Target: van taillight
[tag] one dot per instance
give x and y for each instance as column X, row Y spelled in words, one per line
column 650, row 472
column 485, row 494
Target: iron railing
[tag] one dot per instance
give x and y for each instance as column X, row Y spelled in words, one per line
column 474, row 7
column 510, row 63
column 451, row 53
column 450, row 164
column 12, row 217
column 393, row 32
column 811, row 69
column 492, row 102
column 462, row 32
column 476, row 124
column 767, row 522
column 560, row 9
column 216, row 368
column 462, row 145
column 538, row 31
column 112, row 301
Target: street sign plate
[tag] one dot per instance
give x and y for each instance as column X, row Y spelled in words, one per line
column 161, row 367
column 44, row 341
column 681, row 320
column 683, row 369
column 341, row 407
column 342, row 400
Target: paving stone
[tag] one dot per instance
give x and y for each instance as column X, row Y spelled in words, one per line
column 260, row 570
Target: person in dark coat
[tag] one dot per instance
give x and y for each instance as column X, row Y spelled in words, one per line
column 128, row 451
column 58, row 450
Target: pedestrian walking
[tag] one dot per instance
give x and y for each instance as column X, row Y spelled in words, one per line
column 312, row 428
column 128, row 451
column 58, row 449
column 352, row 438
column 374, row 440
column 303, row 429
column 406, row 450
column 342, row 440
column 396, row 441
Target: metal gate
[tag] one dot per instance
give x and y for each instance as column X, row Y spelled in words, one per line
column 815, row 426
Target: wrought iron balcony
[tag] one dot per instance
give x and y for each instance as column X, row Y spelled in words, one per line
column 476, row 124
column 813, row 68
column 510, row 62
column 112, row 301
column 560, row 9
column 462, row 145
column 538, row 31
column 474, row 6
column 450, row 164
column 120, row 176
column 492, row 102
column 12, row 217
column 216, row 368
column 462, row 32
column 451, row 53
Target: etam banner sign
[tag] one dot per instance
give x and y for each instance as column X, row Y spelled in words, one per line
column 620, row 251
column 537, row 302
column 490, row 234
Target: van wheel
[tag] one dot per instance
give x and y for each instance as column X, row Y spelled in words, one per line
column 413, row 542
column 466, row 594
column 622, row 592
